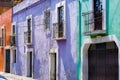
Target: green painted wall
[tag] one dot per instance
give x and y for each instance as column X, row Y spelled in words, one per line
column 112, row 24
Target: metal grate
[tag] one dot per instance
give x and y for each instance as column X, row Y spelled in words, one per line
column 27, row 37
column 93, row 21
column 13, row 40
column 58, row 30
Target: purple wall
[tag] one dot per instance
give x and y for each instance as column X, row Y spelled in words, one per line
column 42, row 40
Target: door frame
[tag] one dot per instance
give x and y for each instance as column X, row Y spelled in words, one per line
column 84, row 53
column 28, row 51
column 54, row 51
column 11, row 60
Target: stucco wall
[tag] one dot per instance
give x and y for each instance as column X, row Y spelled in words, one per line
column 42, row 40
column 112, row 20
column 5, row 20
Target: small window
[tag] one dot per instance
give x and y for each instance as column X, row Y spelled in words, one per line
column 13, row 29
column 47, row 19
column 29, row 24
column 2, row 39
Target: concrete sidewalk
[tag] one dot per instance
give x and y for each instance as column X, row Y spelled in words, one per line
column 9, row 76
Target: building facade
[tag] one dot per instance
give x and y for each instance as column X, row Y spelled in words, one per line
column 5, row 33
column 98, row 25
column 46, row 39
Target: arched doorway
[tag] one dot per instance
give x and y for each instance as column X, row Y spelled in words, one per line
column 103, row 61
column 100, row 54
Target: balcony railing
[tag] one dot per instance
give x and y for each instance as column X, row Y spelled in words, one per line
column 28, row 38
column 13, row 40
column 93, row 22
column 58, row 30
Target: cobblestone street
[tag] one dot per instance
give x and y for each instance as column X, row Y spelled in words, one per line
column 8, row 76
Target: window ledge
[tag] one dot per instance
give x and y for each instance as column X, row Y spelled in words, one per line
column 94, row 32
column 61, row 38
column 28, row 43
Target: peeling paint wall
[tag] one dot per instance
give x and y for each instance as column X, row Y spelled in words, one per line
column 42, row 40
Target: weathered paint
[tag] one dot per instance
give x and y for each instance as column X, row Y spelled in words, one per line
column 112, row 20
column 43, row 41
column 5, row 20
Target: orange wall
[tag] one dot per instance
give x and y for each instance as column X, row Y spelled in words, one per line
column 5, row 19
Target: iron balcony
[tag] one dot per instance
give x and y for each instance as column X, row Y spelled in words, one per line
column 93, row 23
column 28, row 38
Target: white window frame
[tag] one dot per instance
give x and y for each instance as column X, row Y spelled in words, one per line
column 3, row 27
column 62, row 3
column 30, row 17
column 104, row 12
column 54, row 51
column 27, row 52
column 13, row 24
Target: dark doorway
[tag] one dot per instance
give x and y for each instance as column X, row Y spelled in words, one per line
column 7, row 61
column 103, row 61
column 52, row 66
column 29, row 64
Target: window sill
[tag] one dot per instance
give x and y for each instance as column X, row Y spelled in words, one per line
column 94, row 32
column 61, row 38
column 28, row 43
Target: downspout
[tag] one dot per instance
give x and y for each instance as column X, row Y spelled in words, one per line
column 79, row 37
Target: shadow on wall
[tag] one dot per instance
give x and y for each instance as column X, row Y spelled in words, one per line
column 19, row 64
column 36, row 69
column 66, row 58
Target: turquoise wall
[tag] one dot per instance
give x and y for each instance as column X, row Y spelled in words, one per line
column 112, row 24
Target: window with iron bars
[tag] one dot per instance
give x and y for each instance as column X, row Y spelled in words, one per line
column 2, row 37
column 27, row 34
column 93, row 20
column 59, row 28
column 13, row 36
column 47, row 19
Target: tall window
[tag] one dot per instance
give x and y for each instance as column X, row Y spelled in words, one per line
column 47, row 19
column 29, row 30
column 13, row 29
column 98, row 14
column 2, row 41
column 28, row 33
column 13, row 36
column 61, row 21
column 29, row 24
